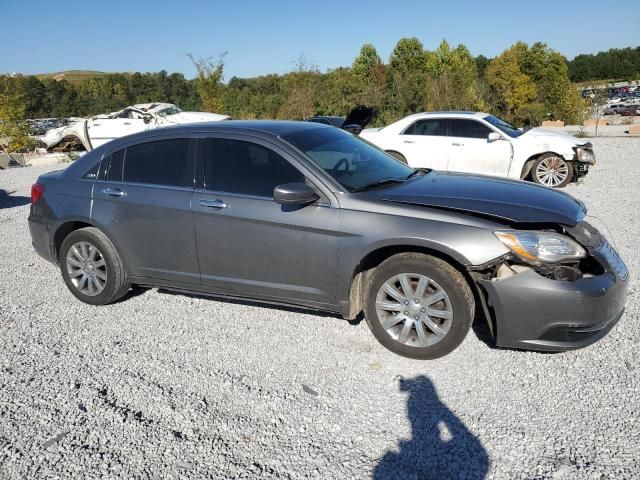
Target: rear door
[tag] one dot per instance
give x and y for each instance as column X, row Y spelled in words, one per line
column 250, row 245
column 143, row 203
column 425, row 144
column 471, row 151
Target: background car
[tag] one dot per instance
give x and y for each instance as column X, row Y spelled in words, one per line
column 90, row 133
column 355, row 122
column 480, row 143
column 615, row 109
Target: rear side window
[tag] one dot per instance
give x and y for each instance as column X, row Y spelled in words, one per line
column 431, row 127
column 162, row 162
column 240, row 167
column 468, row 129
column 92, row 173
column 114, row 163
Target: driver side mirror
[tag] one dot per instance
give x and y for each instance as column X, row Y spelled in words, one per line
column 493, row 136
column 294, row 194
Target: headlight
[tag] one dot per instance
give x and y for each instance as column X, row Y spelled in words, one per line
column 585, row 155
column 541, row 247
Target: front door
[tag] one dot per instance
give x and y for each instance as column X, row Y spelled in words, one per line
column 471, row 150
column 143, row 202
column 250, row 245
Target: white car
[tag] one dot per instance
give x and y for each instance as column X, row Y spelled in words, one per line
column 92, row 132
column 483, row 144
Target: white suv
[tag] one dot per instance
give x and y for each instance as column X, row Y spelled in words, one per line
column 480, row 143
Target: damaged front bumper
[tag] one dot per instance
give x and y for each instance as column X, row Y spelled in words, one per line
column 534, row 312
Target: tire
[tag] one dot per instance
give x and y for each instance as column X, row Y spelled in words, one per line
column 398, row 156
column 92, row 268
column 552, row 170
column 457, row 303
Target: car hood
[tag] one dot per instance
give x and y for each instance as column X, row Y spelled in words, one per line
column 546, row 134
column 511, row 200
column 361, row 116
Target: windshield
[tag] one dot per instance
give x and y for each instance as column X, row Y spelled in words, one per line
column 503, row 126
column 352, row 162
column 172, row 110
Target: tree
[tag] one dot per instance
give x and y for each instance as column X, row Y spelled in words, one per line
column 13, row 128
column 512, row 92
column 209, row 82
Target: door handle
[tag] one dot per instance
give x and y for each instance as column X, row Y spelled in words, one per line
column 113, row 192
column 458, row 144
column 213, row 204
column 408, row 141
column 127, row 123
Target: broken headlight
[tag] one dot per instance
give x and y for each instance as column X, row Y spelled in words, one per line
column 585, row 155
column 541, row 247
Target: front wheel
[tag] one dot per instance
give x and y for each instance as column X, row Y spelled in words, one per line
column 552, row 170
column 418, row 306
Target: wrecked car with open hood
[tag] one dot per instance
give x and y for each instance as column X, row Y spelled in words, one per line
column 304, row 214
column 89, row 133
column 356, row 121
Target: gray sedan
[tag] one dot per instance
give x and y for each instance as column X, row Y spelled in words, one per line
column 297, row 213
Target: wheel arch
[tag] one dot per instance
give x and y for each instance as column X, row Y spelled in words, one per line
column 353, row 306
column 528, row 164
column 70, row 225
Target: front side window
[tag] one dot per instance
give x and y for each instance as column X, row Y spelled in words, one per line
column 468, row 129
column 245, row 168
column 162, row 162
column 431, row 127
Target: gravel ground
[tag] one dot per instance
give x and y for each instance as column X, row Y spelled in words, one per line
column 173, row 386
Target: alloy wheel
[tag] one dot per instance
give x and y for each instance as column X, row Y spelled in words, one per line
column 414, row 310
column 87, row 268
column 552, row 171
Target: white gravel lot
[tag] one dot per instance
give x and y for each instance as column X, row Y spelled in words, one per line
column 172, row 386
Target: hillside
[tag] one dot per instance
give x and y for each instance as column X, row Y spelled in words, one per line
column 74, row 76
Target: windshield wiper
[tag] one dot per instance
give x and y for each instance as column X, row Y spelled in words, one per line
column 418, row 171
column 379, row 183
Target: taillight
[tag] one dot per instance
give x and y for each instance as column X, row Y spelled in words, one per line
column 37, row 189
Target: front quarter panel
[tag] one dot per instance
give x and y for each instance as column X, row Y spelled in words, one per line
column 466, row 240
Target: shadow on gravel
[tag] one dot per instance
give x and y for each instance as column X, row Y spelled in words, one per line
column 441, row 447
column 9, row 201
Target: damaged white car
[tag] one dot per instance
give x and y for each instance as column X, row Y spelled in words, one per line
column 90, row 133
column 480, row 143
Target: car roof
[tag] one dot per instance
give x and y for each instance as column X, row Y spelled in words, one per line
column 263, row 127
column 458, row 114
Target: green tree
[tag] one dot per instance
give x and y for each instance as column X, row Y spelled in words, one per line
column 13, row 128
column 209, row 82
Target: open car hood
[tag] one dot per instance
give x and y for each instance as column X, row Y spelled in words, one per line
column 509, row 200
column 360, row 116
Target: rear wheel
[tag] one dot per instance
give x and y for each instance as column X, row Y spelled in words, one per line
column 552, row 171
column 91, row 267
column 398, row 156
column 418, row 306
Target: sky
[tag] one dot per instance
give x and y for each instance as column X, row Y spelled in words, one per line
column 263, row 37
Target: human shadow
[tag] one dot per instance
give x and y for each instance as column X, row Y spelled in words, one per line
column 441, row 447
column 7, row 200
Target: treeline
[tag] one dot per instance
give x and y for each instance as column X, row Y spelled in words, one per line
column 614, row 64
column 525, row 84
